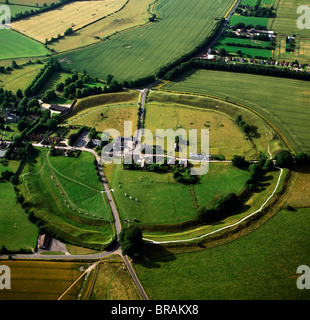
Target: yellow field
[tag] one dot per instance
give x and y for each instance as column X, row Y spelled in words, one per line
column 38, row 280
column 225, row 137
column 19, row 78
column 300, row 53
column 113, row 116
column 75, row 15
column 299, row 187
column 134, row 14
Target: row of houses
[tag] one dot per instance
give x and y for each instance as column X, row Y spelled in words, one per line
column 293, row 65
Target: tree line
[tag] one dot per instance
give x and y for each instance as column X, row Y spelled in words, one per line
column 221, row 65
column 41, row 78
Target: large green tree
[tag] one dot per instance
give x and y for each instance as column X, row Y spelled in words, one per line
column 131, row 240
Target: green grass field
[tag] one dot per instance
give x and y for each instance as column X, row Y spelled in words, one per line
column 31, row 3
column 254, row 2
column 140, row 52
column 15, row 8
column 259, row 266
column 15, row 45
column 235, row 18
column 16, row 231
column 66, row 194
column 19, row 78
column 284, row 102
column 161, row 200
column 80, row 183
column 222, row 43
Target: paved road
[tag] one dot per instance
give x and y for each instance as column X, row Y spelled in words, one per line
column 222, row 29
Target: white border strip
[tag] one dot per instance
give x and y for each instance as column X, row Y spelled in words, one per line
column 229, row 226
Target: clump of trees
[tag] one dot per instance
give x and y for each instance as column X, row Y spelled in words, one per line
column 131, row 240
column 257, row 170
column 284, row 159
column 256, row 11
column 249, row 130
column 183, row 175
column 223, row 208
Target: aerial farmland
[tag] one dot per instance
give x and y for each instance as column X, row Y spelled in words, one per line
column 154, row 150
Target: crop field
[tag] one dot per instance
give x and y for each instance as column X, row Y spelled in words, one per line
column 285, row 101
column 19, row 78
column 301, row 52
column 67, row 195
column 259, row 266
column 113, row 283
column 285, row 23
column 162, row 201
column 134, row 14
column 38, row 280
column 15, row 45
column 141, row 51
column 299, row 187
column 225, row 136
column 75, row 15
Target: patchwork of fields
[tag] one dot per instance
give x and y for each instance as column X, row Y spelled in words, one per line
column 74, row 15
column 142, row 51
column 134, row 14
